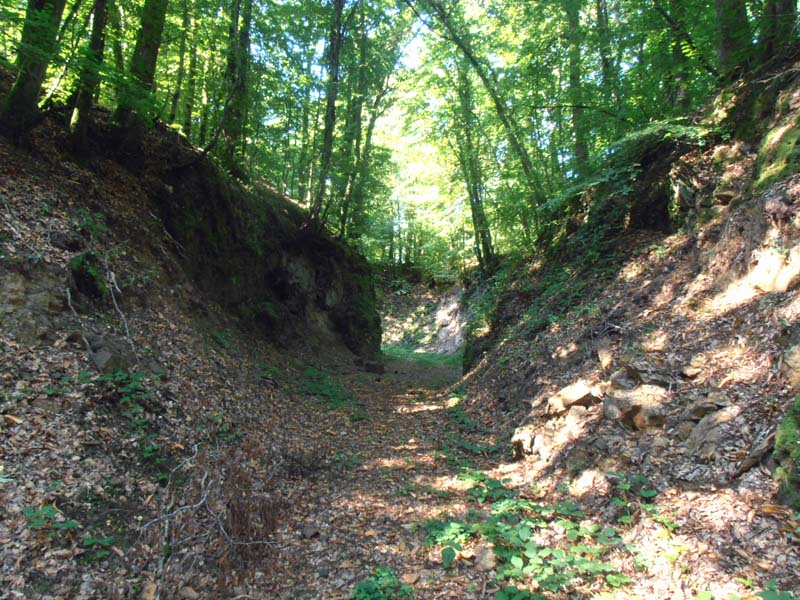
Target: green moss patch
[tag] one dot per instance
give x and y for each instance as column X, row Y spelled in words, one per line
column 787, row 455
column 779, row 155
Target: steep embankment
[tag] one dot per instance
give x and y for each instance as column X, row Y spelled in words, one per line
column 656, row 349
column 140, row 310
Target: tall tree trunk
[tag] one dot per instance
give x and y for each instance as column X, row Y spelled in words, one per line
column 176, row 96
column 355, row 126
column 236, row 77
column 733, row 37
column 610, row 81
column 133, row 105
column 469, row 160
column 490, row 83
column 778, row 28
column 116, row 21
column 581, row 148
column 73, row 12
column 679, row 86
column 90, row 77
column 19, row 111
column 191, row 85
column 205, row 110
column 335, row 42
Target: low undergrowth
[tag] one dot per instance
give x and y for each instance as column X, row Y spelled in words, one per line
column 536, row 546
column 426, row 359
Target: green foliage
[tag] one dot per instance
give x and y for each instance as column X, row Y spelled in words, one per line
column 99, row 546
column 462, row 421
column 321, row 385
column 88, row 277
column 222, row 339
column 268, row 372
column 91, row 223
column 513, row 593
column 383, row 584
column 486, row 489
column 348, row 460
column 427, row 359
column 134, row 395
column 770, row 593
column 48, row 518
column 512, row 529
column 633, row 492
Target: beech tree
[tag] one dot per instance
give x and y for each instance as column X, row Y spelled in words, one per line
column 134, row 102
column 778, row 28
column 734, row 46
column 19, row 111
column 89, row 78
column 385, row 117
column 335, row 41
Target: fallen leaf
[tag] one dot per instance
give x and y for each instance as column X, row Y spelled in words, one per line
column 149, row 591
column 12, row 421
column 410, row 578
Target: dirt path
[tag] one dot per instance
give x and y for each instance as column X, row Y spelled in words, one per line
column 385, row 479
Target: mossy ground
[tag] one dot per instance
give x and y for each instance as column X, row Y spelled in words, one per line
column 779, row 155
column 787, row 454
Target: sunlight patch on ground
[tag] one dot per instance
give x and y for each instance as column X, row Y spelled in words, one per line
column 656, row 341
column 736, row 294
column 447, row 483
column 418, row 408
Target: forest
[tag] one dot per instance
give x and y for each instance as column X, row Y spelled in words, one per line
column 395, row 299
column 435, row 132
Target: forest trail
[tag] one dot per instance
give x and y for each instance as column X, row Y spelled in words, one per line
column 387, row 475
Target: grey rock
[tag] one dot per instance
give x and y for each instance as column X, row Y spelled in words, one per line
column 705, row 435
column 626, row 378
column 110, row 355
column 640, row 408
column 577, row 394
column 67, row 240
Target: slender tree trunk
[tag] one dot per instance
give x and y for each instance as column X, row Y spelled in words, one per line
column 137, row 94
column 205, row 110
column 581, row 148
column 71, row 53
column 73, row 11
column 733, row 37
column 489, row 80
column 679, row 86
column 335, row 42
column 176, row 96
column 355, row 129
column 778, row 28
column 19, row 111
column 236, row 77
column 89, row 78
column 116, row 21
column 469, row 159
column 191, row 84
column 610, row 85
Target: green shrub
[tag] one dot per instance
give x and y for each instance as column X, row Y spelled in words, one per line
column 383, row 584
